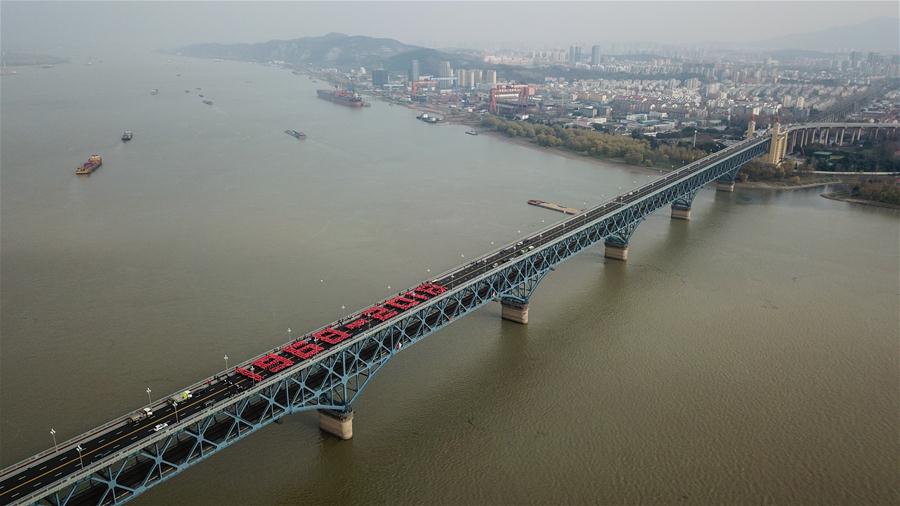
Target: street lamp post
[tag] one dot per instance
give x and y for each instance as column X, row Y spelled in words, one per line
column 176, row 411
column 149, row 399
column 53, row 434
column 226, row 361
column 80, row 449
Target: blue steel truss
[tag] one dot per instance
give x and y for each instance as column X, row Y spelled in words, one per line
column 333, row 380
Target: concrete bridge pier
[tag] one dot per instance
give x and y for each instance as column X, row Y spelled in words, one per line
column 616, row 250
column 337, row 423
column 725, row 184
column 681, row 212
column 514, row 311
column 681, row 207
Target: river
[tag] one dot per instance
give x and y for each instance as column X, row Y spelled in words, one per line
column 748, row 356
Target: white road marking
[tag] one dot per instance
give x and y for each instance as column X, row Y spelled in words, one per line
column 57, row 474
column 41, row 469
column 20, row 478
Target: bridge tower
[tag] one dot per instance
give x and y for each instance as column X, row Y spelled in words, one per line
column 778, row 147
column 751, row 127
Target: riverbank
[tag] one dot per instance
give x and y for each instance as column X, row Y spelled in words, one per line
column 805, row 183
column 566, row 153
column 845, row 197
column 784, row 185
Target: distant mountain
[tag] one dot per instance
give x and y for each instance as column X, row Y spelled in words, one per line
column 878, row 34
column 331, row 50
column 334, row 49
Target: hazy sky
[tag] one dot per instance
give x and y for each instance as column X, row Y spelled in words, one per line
column 73, row 27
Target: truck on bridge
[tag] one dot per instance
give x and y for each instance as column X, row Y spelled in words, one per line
column 181, row 396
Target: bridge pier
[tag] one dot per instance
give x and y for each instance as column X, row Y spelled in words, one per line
column 514, row 311
column 725, row 186
column 336, row 423
column 681, row 212
column 615, row 250
column 681, row 207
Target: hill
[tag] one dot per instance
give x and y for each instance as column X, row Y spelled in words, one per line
column 878, row 34
column 332, row 50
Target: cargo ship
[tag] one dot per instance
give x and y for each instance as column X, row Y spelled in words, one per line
column 294, row 133
column 93, row 163
column 342, row 97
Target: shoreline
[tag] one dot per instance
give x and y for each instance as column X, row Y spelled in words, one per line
column 572, row 155
column 764, row 185
column 760, row 185
column 837, row 196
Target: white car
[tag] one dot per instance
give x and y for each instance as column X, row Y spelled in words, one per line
column 160, row 427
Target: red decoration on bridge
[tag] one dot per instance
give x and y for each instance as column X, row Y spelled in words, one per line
column 415, row 295
column 330, row 335
column 273, row 362
column 303, row 349
column 402, row 303
column 430, row 289
column 379, row 313
column 245, row 372
column 355, row 324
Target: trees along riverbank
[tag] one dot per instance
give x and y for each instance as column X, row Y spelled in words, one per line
column 634, row 151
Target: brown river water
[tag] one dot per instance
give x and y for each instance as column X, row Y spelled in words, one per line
column 749, row 356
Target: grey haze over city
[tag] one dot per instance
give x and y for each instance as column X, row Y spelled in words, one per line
column 77, row 27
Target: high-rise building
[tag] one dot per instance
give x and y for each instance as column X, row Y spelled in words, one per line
column 414, row 70
column 490, row 77
column 444, row 69
column 470, row 78
column 595, row 55
column 461, row 78
column 574, row 54
column 379, row 78
column 476, row 77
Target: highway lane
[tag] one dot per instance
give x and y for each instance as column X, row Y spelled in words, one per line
column 52, row 468
column 66, row 462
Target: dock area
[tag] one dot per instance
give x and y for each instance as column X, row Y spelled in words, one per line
column 553, row 206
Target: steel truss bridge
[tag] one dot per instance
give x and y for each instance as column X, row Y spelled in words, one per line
column 121, row 459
